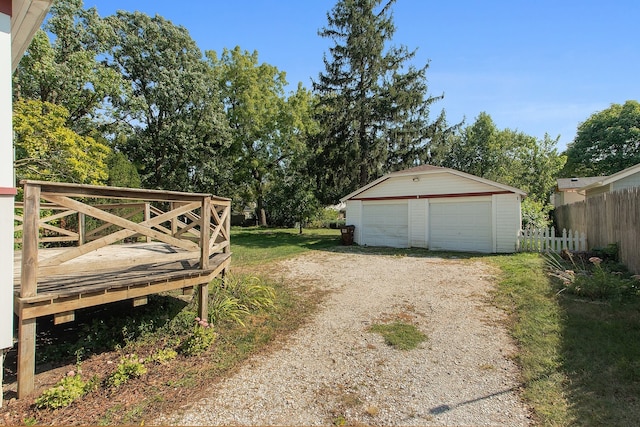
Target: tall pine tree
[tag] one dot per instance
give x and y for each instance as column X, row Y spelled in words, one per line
column 373, row 104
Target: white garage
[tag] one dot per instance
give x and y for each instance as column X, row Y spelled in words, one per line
column 436, row 208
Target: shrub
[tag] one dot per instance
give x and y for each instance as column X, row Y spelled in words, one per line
column 200, row 339
column 589, row 278
column 164, row 355
column 66, row 391
column 129, row 367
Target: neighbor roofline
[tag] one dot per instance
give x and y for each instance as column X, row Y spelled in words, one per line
column 613, row 178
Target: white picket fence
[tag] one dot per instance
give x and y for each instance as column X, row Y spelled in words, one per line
column 545, row 240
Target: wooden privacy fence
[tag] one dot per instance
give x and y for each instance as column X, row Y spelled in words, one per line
column 545, row 240
column 608, row 218
column 178, row 241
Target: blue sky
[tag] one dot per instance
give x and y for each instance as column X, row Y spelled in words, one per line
column 534, row 66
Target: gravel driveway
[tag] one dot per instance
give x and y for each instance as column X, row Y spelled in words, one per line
column 335, row 371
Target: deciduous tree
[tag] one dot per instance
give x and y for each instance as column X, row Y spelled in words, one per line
column 606, row 143
column 269, row 130
column 67, row 71
column 178, row 129
column 46, row 149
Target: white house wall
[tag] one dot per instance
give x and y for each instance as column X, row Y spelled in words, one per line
column 419, row 223
column 432, row 184
column 507, row 219
column 6, row 181
column 354, row 217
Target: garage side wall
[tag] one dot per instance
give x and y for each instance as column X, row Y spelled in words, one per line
column 354, row 217
column 507, row 222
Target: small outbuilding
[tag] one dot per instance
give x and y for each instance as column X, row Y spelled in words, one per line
column 436, row 208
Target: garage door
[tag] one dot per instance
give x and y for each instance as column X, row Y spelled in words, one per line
column 460, row 226
column 385, row 224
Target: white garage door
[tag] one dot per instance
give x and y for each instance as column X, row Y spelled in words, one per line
column 460, row 226
column 385, row 224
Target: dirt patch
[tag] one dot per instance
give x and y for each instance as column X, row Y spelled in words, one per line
column 335, row 371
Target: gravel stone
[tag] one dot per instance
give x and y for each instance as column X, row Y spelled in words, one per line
column 334, row 370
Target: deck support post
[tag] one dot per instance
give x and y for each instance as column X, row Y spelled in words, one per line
column 147, row 217
column 28, row 288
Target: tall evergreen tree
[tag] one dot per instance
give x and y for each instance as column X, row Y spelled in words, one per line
column 374, row 107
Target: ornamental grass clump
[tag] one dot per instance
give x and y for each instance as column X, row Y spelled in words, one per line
column 200, row 340
column 591, row 278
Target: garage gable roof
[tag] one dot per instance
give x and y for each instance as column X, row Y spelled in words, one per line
column 428, row 170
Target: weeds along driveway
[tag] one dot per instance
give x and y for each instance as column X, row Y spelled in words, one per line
column 335, row 371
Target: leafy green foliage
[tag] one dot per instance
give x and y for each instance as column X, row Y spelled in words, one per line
column 66, row 71
column 66, row 391
column 46, row 149
column 606, row 143
column 269, row 130
column 122, row 173
column 129, row 367
column 163, row 356
column 199, row 340
column 402, row 336
column 234, row 297
column 177, row 125
column 592, row 278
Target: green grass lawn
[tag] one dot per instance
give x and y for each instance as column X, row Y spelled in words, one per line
column 580, row 359
column 255, row 245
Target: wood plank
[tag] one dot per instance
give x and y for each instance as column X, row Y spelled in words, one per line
column 29, row 268
column 85, row 190
column 65, row 317
column 26, row 355
column 133, row 260
column 116, row 220
column 112, row 238
column 205, row 229
column 137, row 302
column 29, row 312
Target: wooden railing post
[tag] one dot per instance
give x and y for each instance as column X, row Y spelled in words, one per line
column 28, row 288
column 205, row 230
column 227, row 227
column 147, row 216
column 81, row 229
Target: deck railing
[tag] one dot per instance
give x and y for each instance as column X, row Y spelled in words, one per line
column 194, row 222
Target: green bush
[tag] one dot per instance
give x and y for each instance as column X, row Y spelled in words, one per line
column 590, row 278
column 129, row 367
column 66, row 391
column 200, row 339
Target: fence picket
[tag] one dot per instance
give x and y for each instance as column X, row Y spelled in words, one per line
column 545, row 240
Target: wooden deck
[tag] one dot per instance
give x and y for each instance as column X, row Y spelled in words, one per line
column 114, row 273
column 180, row 241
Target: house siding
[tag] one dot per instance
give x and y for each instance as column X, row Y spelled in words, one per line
column 418, row 214
column 507, row 222
column 354, row 217
column 628, row 182
column 431, row 184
